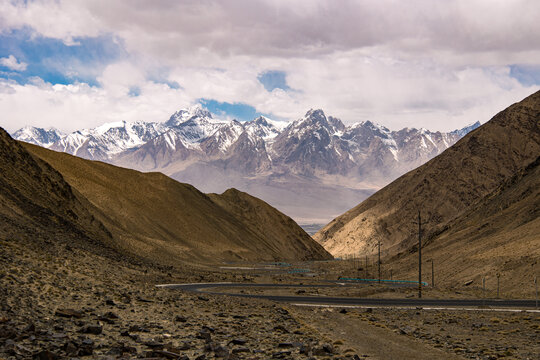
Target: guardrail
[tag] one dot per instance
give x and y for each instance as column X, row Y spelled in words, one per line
column 298, row 271
column 383, row 281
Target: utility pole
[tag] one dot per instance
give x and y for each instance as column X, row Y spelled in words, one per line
column 390, row 274
column 419, row 255
column 432, row 274
column 366, row 268
column 379, row 262
column 484, row 291
column 498, row 277
column 536, row 289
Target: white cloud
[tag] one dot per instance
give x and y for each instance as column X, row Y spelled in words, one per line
column 75, row 106
column 12, row 63
column 437, row 64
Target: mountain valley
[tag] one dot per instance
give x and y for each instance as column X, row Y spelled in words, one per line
column 312, row 169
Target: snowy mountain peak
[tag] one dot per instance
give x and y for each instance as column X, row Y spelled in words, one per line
column 38, row 136
column 184, row 115
column 264, row 128
column 261, row 120
column 315, row 115
column 467, row 129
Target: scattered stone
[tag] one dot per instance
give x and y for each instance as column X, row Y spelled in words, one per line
column 323, row 350
column 281, row 355
column 92, row 329
column 179, row 318
column 285, row 345
column 154, row 344
column 205, row 335
column 238, row 342
column 137, row 328
column 221, row 351
column 305, row 349
column 69, row 313
column 185, row 346
column 240, row 350
column 281, row 328
column 168, row 354
column 45, row 355
column 144, row 300
column 29, row 329
column 202, row 298
column 467, row 283
column 211, row 329
column 407, row 330
column 110, row 302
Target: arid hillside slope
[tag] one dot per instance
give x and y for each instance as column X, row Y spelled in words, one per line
column 279, row 231
column 153, row 216
column 484, row 189
column 37, row 203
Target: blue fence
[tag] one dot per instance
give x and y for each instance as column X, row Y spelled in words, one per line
column 383, row 281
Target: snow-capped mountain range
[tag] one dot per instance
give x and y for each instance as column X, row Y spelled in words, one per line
column 264, row 157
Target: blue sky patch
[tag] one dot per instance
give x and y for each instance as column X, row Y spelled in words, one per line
column 55, row 62
column 274, row 80
column 526, row 74
column 238, row 111
column 134, row 91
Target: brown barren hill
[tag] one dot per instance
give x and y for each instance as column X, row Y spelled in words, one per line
column 37, row 204
column 447, row 189
column 153, row 216
column 279, row 231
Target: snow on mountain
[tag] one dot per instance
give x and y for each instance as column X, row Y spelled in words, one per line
column 265, row 128
column 314, row 144
column 303, row 167
column 38, row 136
column 105, row 141
column 467, row 129
column 183, row 115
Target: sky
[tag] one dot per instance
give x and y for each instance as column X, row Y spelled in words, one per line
column 421, row 63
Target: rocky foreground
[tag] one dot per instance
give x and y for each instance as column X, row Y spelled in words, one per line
column 66, row 303
column 59, row 301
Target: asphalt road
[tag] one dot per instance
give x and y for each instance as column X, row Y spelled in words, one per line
column 348, row 301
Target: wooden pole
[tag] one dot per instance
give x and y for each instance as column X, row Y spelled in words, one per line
column 484, row 290
column 536, row 289
column 419, row 255
column 432, row 274
column 498, row 277
column 379, row 262
column 366, row 268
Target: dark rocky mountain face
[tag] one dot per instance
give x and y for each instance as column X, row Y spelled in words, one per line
column 193, row 146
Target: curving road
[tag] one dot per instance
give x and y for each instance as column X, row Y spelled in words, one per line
column 348, row 301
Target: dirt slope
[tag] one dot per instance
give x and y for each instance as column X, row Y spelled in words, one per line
column 279, row 231
column 37, row 203
column 461, row 194
column 153, row 216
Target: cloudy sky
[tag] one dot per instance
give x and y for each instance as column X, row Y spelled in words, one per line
column 436, row 64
